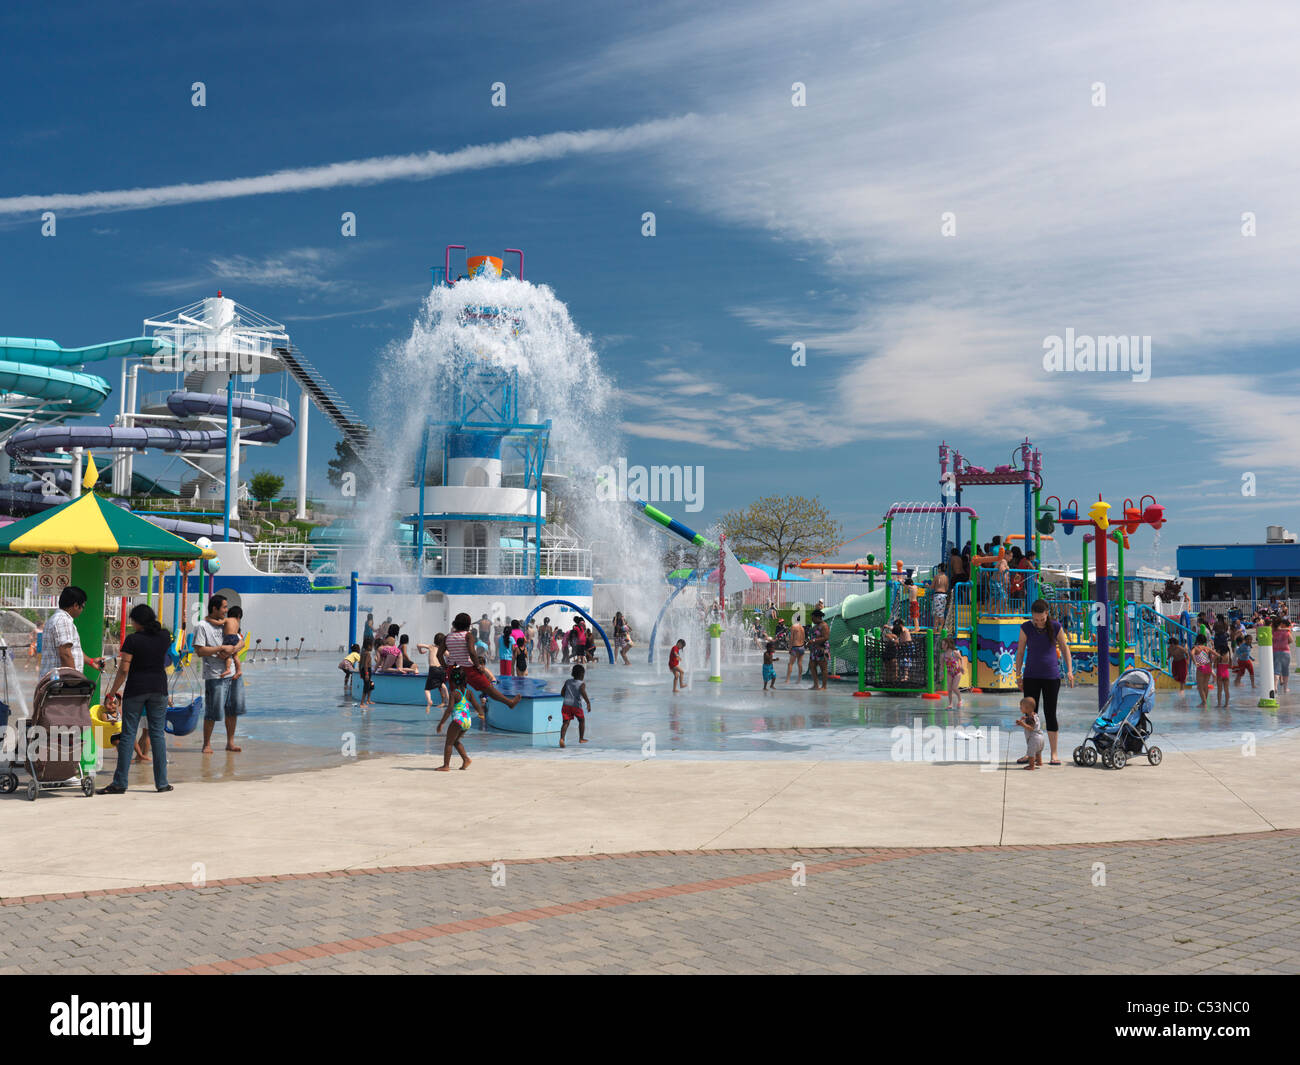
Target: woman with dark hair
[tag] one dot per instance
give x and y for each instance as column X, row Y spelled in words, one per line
column 143, row 668
column 1042, row 642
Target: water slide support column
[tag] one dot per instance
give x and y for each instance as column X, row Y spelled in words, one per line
column 304, row 409
column 119, row 463
column 889, row 562
column 1087, row 595
column 75, row 491
column 128, row 465
column 230, row 434
column 1121, row 604
column 419, row 519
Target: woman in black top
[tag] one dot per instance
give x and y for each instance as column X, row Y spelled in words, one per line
column 143, row 668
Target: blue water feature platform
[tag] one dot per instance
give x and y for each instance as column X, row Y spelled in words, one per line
column 538, row 711
column 405, row 689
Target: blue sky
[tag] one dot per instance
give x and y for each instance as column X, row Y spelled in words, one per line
column 775, row 224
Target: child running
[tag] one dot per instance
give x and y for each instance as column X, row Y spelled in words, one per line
column 952, row 665
column 1203, row 658
column 1034, row 736
column 574, row 691
column 675, row 666
column 769, row 665
column 436, row 680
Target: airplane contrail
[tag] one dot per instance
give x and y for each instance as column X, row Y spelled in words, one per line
column 415, row 167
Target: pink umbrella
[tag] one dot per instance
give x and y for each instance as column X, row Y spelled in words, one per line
column 753, row 572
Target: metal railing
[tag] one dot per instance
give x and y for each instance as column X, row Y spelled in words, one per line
column 159, row 399
column 506, row 562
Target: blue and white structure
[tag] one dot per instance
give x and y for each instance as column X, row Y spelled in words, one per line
column 476, row 504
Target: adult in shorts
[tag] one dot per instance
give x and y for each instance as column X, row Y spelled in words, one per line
column 210, row 646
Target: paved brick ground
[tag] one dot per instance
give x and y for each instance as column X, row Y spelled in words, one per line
column 1221, row 904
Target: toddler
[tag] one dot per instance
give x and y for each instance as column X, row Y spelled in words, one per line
column 1034, row 736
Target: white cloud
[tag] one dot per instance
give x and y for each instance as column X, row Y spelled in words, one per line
column 416, row 167
column 1123, row 219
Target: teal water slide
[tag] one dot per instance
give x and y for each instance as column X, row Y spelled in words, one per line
column 32, row 369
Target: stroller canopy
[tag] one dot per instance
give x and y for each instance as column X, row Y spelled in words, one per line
column 1133, row 695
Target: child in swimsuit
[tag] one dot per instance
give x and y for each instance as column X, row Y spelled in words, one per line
column 437, row 676
column 1203, row 658
column 952, row 664
column 350, row 663
column 230, row 635
column 521, row 656
column 1223, row 670
column 769, row 665
column 367, row 676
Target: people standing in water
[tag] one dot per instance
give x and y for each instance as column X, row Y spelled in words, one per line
column 1178, row 661
column 545, row 651
column 366, row 667
column 1203, row 658
column 505, row 654
column 952, row 667
column 1281, row 652
column 369, row 632
column 622, row 637
column 387, row 657
column 521, row 656
column 939, row 601
column 819, row 650
column 436, row 678
column 675, row 666
column 573, row 694
column 1038, row 666
column 798, row 645
column 769, row 665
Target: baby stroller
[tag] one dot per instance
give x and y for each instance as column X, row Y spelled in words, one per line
column 53, row 740
column 1124, row 725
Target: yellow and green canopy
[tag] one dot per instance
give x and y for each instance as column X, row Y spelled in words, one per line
column 89, row 525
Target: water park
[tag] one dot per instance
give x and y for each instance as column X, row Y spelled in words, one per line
column 696, row 656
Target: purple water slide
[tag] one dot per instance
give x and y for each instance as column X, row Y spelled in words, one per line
column 273, row 424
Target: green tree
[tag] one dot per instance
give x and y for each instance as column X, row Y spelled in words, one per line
column 781, row 528
column 264, row 485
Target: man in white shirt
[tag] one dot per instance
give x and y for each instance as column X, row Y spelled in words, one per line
column 216, row 656
column 62, row 642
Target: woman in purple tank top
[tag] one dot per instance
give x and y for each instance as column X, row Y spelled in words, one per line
column 1038, row 666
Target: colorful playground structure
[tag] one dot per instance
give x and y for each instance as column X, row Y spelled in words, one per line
column 986, row 604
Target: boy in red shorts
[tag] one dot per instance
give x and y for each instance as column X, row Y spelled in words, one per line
column 574, row 692
column 675, row 665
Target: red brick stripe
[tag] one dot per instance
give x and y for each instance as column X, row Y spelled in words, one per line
column 451, row 928
column 874, row 853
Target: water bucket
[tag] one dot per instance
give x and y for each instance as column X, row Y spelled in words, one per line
column 484, row 266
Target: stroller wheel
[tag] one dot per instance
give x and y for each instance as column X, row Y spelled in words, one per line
column 1106, row 757
column 1119, row 759
column 8, row 783
column 1089, row 756
column 87, row 786
column 32, row 789
column 1078, row 756
column 1155, row 755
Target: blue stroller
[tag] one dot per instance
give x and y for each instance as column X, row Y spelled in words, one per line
column 1124, row 725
